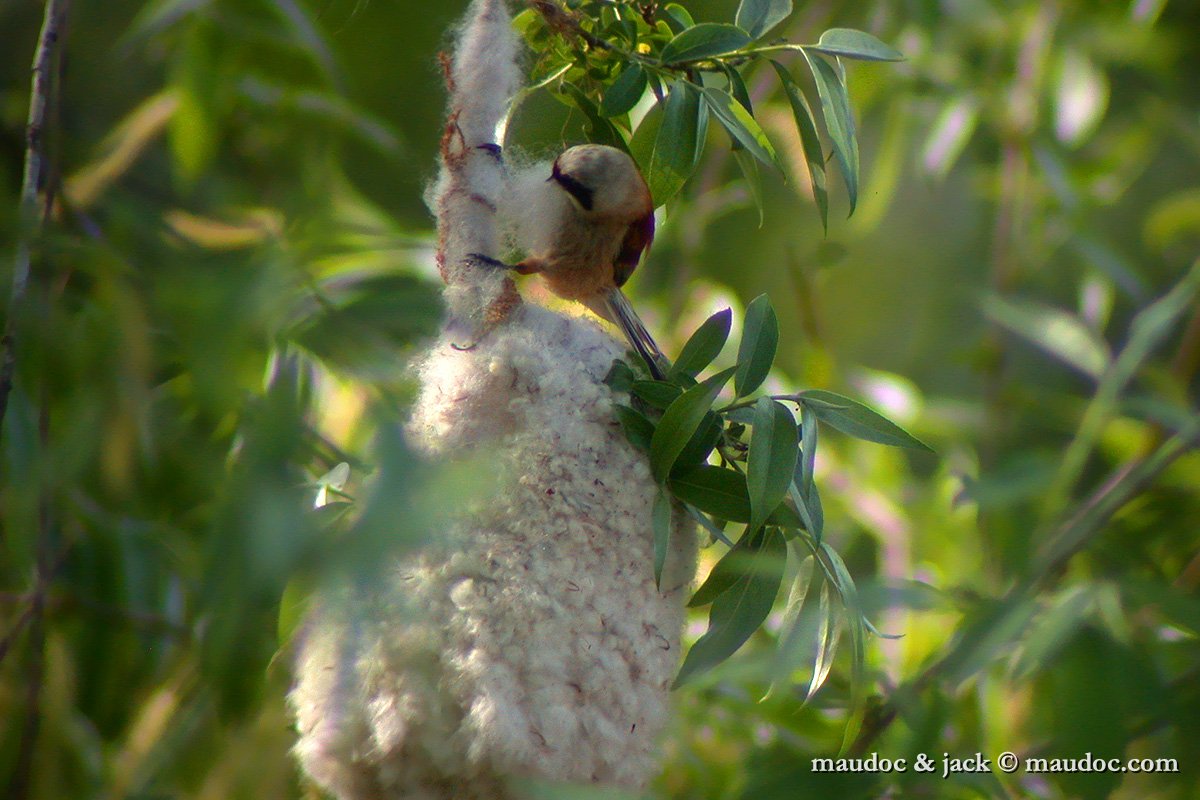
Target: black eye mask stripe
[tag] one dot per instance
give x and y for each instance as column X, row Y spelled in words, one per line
column 577, row 190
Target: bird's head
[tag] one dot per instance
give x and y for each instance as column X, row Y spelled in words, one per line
column 602, row 181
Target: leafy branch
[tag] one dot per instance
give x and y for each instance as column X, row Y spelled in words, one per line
column 600, row 58
column 750, row 461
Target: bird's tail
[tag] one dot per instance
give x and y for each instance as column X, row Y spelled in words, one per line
column 618, row 310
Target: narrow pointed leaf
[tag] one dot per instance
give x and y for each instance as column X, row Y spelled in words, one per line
column 850, row 43
column 714, row 490
column 744, row 129
column 757, row 17
column 658, row 394
column 794, row 626
column 772, row 459
column 625, row 91
column 839, row 121
column 705, row 40
column 667, row 143
column 705, row 344
column 662, row 533
column 638, row 429
column 857, row 420
column 753, row 176
column 756, row 353
column 810, row 140
column 739, row 611
column 681, row 419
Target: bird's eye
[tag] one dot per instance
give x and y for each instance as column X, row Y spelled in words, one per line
column 581, row 193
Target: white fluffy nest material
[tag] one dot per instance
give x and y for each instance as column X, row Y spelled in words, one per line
column 531, row 642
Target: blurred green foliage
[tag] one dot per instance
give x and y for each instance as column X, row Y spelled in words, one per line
column 238, row 261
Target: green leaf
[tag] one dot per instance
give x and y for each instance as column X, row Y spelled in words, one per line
column 772, row 459
column 680, row 421
column 625, row 91
column 739, row 611
column 744, row 129
column 722, row 493
column 839, row 121
column 702, row 442
column 806, row 496
column 795, row 626
column 806, row 126
column 599, row 129
column 1058, row 332
column 855, row 419
column 726, row 571
column 662, row 533
column 620, row 377
column 702, row 41
column 756, row 353
column 849, row 43
column 678, row 18
column 705, row 344
column 666, row 144
column 750, row 172
column 714, row 490
column 658, row 394
column 293, row 607
column 638, row 430
column 756, row 17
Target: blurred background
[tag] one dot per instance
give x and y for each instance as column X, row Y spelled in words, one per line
column 237, row 263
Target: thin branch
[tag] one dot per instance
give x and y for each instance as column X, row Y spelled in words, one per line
column 45, row 61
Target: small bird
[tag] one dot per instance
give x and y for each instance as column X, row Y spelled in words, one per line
column 603, row 221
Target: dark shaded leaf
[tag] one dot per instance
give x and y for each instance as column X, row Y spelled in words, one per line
column 666, row 143
column 680, row 421
column 705, row 344
column 662, row 533
column 772, row 459
column 739, row 611
column 625, row 91
column 702, row 41
column 756, row 353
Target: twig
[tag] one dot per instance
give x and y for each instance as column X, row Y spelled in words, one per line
column 45, row 60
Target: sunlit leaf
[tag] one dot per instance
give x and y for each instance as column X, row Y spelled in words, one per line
column 850, row 43
column 855, row 419
column 741, row 126
column 1059, row 333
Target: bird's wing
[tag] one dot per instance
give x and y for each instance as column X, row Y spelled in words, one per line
column 637, row 238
